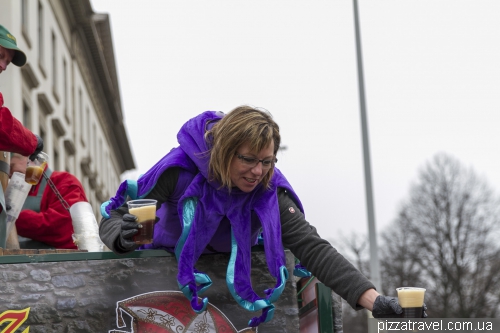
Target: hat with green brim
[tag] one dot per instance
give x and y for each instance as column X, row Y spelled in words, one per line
column 9, row 42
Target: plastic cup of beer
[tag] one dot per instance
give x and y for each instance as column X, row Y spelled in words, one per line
column 411, row 300
column 145, row 210
column 35, row 168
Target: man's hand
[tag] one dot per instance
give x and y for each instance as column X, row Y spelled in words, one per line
column 38, row 149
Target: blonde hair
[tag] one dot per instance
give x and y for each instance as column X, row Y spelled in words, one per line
column 242, row 125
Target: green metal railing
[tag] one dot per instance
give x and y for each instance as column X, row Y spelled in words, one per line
column 323, row 303
column 75, row 256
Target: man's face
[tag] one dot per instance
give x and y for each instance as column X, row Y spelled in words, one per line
column 18, row 163
column 6, row 56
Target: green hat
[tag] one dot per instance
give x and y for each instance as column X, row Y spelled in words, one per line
column 9, row 42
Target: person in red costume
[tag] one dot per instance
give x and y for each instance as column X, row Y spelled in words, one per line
column 43, row 221
column 14, row 137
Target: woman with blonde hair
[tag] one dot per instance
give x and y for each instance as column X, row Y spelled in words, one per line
column 220, row 191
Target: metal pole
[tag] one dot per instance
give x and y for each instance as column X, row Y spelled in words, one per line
column 374, row 263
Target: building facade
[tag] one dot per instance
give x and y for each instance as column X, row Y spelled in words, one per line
column 68, row 91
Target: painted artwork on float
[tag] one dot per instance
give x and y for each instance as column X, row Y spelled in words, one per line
column 170, row 312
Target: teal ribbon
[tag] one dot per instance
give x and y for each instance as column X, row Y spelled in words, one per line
column 104, row 213
column 188, row 211
column 202, row 280
column 301, row 272
column 131, row 190
column 260, row 304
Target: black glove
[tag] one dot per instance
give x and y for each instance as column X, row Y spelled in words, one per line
column 424, row 309
column 128, row 229
column 38, row 149
column 388, row 307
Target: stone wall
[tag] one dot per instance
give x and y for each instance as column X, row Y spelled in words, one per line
column 73, row 296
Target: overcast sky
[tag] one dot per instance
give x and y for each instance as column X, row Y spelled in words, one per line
column 432, row 81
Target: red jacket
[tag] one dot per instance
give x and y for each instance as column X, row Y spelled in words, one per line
column 14, row 137
column 53, row 225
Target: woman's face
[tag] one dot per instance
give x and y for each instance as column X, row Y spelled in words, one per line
column 247, row 168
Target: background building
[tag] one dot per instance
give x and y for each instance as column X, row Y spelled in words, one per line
column 68, row 91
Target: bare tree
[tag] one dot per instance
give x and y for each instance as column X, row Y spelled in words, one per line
column 446, row 240
column 355, row 248
column 398, row 266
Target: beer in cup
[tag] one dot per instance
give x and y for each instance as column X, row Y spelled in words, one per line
column 411, row 300
column 145, row 210
column 35, row 168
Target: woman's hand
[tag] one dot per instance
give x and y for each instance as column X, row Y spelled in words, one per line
column 129, row 228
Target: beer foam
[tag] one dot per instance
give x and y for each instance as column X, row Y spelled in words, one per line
column 144, row 213
column 411, row 297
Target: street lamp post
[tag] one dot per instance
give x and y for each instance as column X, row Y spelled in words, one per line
column 374, row 262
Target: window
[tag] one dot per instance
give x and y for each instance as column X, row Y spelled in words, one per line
column 69, row 155
column 55, row 159
column 65, row 91
column 74, row 107
column 82, row 116
column 41, row 42
column 106, row 171
column 94, row 146
column 43, row 129
column 26, row 115
column 87, row 114
column 100, row 157
column 43, row 135
column 25, row 21
column 67, row 161
column 24, row 15
column 54, row 67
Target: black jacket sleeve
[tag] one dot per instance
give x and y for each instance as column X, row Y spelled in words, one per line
column 318, row 255
column 109, row 229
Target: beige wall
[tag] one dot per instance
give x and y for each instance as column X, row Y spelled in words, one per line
column 65, row 107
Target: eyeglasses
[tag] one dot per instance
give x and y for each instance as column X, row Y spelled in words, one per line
column 252, row 161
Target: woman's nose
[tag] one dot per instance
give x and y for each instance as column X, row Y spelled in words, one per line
column 257, row 169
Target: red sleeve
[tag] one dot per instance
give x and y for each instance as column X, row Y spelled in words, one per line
column 53, row 225
column 14, row 137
